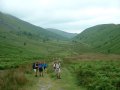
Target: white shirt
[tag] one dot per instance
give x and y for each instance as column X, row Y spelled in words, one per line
column 58, row 65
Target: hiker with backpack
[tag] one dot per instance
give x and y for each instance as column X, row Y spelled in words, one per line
column 45, row 67
column 35, row 68
column 57, row 68
column 40, row 66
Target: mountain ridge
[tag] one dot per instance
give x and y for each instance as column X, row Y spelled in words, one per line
column 21, row 26
column 62, row 33
column 103, row 38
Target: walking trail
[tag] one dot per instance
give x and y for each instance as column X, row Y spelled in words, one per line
column 50, row 82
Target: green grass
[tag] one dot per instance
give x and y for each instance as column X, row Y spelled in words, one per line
column 12, row 55
column 97, row 74
column 12, row 79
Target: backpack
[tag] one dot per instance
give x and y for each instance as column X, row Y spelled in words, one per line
column 33, row 66
column 45, row 65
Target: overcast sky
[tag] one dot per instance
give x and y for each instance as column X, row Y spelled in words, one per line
column 67, row 15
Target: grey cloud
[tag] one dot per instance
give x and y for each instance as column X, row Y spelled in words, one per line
column 67, row 15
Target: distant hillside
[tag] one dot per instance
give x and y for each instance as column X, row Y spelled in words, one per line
column 22, row 42
column 14, row 25
column 103, row 38
column 62, row 33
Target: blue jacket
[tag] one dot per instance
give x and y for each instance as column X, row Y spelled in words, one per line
column 45, row 65
column 40, row 66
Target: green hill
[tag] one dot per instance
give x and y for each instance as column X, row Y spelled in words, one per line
column 22, row 42
column 103, row 38
column 14, row 25
column 62, row 33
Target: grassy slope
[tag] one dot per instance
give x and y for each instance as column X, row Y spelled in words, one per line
column 19, row 38
column 104, row 38
column 62, row 33
column 22, row 42
column 23, row 28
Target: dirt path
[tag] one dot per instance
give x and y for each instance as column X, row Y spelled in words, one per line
column 49, row 82
column 45, row 84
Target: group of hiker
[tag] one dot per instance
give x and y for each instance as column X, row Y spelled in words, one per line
column 40, row 68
